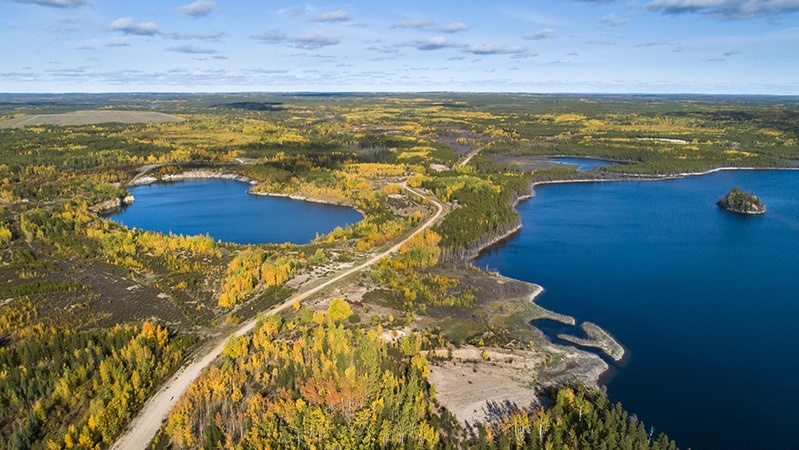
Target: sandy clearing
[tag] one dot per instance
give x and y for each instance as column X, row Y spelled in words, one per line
column 469, row 385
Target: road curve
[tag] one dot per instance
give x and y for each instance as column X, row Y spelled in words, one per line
column 145, row 425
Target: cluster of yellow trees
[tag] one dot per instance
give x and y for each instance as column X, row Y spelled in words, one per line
column 324, row 184
column 402, row 274
column 5, row 235
column 372, row 233
column 374, row 171
column 330, row 387
column 254, row 267
column 118, row 245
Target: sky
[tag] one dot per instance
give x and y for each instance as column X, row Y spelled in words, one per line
column 585, row 46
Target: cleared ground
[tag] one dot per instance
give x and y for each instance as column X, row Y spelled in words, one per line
column 477, row 384
column 77, row 118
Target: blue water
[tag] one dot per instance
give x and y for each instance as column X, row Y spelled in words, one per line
column 583, row 164
column 224, row 210
column 706, row 301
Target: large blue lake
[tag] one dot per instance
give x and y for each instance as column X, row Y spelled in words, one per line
column 224, row 210
column 706, row 301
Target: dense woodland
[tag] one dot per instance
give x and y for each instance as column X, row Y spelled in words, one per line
column 317, row 382
column 62, row 389
column 93, row 316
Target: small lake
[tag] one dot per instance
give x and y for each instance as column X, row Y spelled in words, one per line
column 583, row 164
column 705, row 301
column 224, row 210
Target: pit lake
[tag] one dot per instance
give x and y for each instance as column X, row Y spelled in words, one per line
column 582, row 164
column 224, row 210
column 706, row 301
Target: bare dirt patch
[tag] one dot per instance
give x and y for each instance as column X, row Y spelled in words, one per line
column 468, row 385
column 78, row 118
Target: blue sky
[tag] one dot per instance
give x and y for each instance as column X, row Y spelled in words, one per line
column 654, row 46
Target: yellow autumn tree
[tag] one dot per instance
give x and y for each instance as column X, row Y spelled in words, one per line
column 339, row 309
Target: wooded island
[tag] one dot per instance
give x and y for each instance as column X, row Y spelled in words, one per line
column 742, row 202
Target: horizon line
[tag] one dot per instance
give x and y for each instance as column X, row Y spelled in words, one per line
column 427, row 92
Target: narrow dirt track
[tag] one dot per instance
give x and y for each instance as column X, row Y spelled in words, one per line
column 468, row 157
column 145, row 425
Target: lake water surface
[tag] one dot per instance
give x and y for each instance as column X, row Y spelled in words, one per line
column 583, row 164
column 705, row 301
column 224, row 210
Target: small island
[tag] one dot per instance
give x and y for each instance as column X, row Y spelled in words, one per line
column 741, row 202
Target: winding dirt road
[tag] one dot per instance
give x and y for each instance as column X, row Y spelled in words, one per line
column 145, row 425
column 468, row 157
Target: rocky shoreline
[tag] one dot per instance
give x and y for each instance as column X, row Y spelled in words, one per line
column 740, row 202
column 112, row 205
column 191, row 175
column 596, row 338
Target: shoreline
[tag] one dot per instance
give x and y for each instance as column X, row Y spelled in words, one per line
column 473, row 255
column 307, row 199
column 200, row 174
column 547, row 314
column 598, row 338
column 593, row 158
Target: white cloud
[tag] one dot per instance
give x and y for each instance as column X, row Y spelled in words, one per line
column 294, row 11
column 204, row 36
column 546, row 33
column 308, row 41
column 128, row 26
column 434, row 43
column 191, row 50
column 339, row 15
column 495, row 49
column 731, row 9
column 313, row 41
column 385, row 49
column 54, row 3
column 455, row 27
column 613, row 20
column 420, row 24
column 121, row 42
column 200, row 8
column 270, row 37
